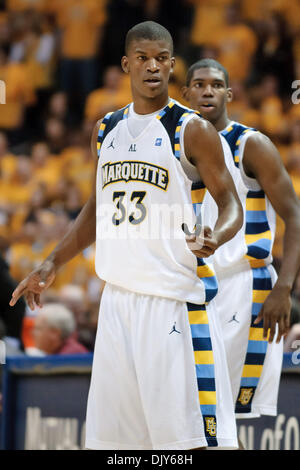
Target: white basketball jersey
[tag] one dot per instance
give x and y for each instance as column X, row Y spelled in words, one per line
column 252, row 245
column 143, row 198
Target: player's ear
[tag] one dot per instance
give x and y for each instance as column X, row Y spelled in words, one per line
column 125, row 64
column 185, row 92
column 173, row 61
column 229, row 95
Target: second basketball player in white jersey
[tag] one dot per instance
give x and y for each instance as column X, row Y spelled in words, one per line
column 159, row 380
column 253, row 305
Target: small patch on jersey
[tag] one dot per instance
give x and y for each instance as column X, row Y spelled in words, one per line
column 246, row 394
column 158, row 142
column 211, row 425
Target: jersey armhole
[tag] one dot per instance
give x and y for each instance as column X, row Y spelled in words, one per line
column 251, row 183
column 188, row 167
column 101, row 131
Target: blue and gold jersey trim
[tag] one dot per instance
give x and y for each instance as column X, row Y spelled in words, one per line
column 257, row 345
column 233, row 134
column 109, row 121
column 205, row 369
column 258, row 235
column 172, row 118
column 101, row 131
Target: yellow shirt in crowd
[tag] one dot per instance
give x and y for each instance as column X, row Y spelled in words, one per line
column 80, row 22
column 19, row 93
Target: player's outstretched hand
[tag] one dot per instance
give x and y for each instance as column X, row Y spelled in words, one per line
column 203, row 244
column 275, row 310
column 34, row 284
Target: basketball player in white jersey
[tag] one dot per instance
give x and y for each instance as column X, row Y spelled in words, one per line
column 158, row 378
column 253, row 304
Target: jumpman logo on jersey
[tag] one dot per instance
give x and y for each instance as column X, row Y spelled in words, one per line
column 174, row 329
column 234, row 318
column 111, row 144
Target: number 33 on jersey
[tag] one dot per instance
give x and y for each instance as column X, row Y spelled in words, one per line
column 143, row 198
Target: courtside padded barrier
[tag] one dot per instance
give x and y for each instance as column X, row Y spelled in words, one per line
column 44, row 405
column 44, row 401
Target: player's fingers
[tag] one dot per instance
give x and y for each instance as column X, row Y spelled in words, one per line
column 17, row 293
column 286, row 324
column 37, row 299
column 266, row 326
column 207, row 251
column 29, row 296
column 203, row 253
column 272, row 330
column 211, row 244
column 259, row 317
column 208, row 232
column 281, row 330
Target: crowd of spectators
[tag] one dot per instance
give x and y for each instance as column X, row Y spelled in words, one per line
column 60, row 61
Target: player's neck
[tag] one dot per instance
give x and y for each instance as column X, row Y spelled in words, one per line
column 143, row 105
column 222, row 122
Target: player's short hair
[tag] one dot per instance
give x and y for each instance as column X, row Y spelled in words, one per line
column 204, row 64
column 148, row 30
column 60, row 317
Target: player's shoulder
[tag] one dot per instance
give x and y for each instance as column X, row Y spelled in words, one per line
column 258, row 141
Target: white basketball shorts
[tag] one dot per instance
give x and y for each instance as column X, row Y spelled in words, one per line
column 254, row 364
column 159, row 378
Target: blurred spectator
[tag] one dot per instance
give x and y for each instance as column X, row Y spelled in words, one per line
column 4, row 29
column 275, row 55
column 81, row 24
column 45, row 167
column 177, row 80
column 236, row 43
column 114, row 94
column 55, row 134
column 293, row 156
column 19, row 94
column 58, row 108
column 273, row 121
column 58, row 105
column 234, row 39
column 54, row 330
column 35, row 46
column 7, row 159
column 16, row 195
column 241, row 108
column 76, row 300
column 208, row 17
column 121, row 16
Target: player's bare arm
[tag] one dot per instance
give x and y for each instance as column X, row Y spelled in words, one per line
column 204, row 149
column 81, row 235
column 263, row 162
